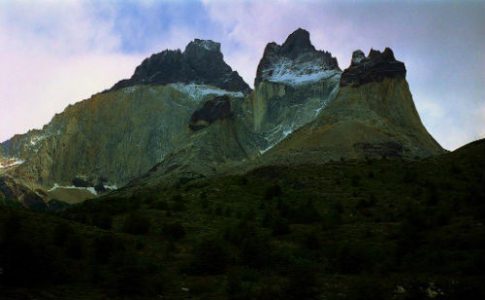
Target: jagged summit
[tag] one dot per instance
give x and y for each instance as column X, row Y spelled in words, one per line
column 295, row 62
column 208, row 45
column 202, row 63
column 373, row 68
column 297, row 43
column 186, row 112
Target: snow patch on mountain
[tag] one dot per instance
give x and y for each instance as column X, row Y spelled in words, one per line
column 10, row 162
column 36, row 139
column 289, row 72
column 72, row 187
column 287, row 132
column 207, row 44
column 129, row 90
column 199, row 91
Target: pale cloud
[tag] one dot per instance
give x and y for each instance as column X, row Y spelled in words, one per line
column 53, row 54
column 481, row 128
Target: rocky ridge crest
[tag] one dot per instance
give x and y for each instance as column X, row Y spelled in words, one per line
column 295, row 62
column 202, row 63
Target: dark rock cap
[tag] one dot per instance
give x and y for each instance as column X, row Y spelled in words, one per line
column 202, row 62
column 373, row 68
column 218, row 108
column 297, row 42
column 297, row 46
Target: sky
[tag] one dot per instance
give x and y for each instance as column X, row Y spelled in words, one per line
column 57, row 52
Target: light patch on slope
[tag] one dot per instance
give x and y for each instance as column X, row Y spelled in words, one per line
column 129, row 90
column 111, row 187
column 287, row 132
column 208, row 45
column 10, row 162
column 72, row 187
column 266, row 149
column 35, row 141
column 199, row 91
column 292, row 73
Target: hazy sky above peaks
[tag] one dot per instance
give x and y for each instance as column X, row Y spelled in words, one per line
column 53, row 53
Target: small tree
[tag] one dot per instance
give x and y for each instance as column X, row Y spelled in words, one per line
column 210, row 257
column 136, row 224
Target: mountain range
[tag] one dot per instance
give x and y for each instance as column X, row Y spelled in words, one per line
column 188, row 115
column 182, row 182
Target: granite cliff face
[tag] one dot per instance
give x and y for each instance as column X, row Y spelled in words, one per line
column 294, row 82
column 373, row 116
column 118, row 135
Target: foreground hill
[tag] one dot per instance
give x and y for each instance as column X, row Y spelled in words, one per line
column 375, row 229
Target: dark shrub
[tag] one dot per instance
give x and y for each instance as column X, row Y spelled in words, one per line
column 80, row 182
column 280, row 226
column 99, row 188
column 173, row 231
column 178, row 203
column 102, row 220
column 368, row 288
column 302, row 281
column 304, row 213
column 74, row 247
column 136, row 224
column 62, row 231
column 355, row 180
column 211, row 257
column 103, row 247
column 273, row 192
column 161, row 205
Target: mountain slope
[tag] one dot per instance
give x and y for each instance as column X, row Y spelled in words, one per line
column 372, row 116
column 120, row 134
column 294, row 82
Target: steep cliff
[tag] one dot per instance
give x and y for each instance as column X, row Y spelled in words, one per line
column 120, row 134
column 294, row 82
column 373, row 116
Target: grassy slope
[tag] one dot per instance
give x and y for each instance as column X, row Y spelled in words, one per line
column 344, row 230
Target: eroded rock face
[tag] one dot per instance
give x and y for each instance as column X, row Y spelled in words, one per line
column 294, row 83
column 12, row 193
column 373, row 68
column 117, row 135
column 218, row 108
column 371, row 121
column 202, row 63
column 296, row 62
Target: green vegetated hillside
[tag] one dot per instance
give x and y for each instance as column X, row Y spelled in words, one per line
column 376, row 229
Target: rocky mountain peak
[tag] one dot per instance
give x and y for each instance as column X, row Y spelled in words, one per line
column 357, row 57
column 207, row 45
column 372, row 68
column 297, row 42
column 295, row 62
column 201, row 63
